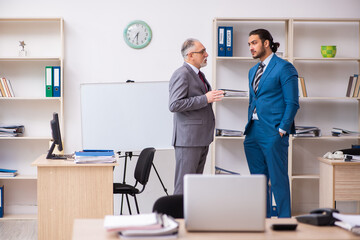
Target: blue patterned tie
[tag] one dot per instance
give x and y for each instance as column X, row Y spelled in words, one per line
column 258, row 75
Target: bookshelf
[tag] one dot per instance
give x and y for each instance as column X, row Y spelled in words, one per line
column 44, row 39
column 325, row 107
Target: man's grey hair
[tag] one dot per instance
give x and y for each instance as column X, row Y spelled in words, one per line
column 187, row 46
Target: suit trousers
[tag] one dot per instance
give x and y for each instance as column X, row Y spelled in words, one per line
column 268, row 155
column 188, row 160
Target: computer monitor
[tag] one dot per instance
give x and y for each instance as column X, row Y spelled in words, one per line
column 56, row 137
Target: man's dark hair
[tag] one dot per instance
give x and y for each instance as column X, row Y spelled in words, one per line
column 265, row 35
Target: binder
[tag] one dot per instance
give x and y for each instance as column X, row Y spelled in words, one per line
column 56, row 81
column 48, row 81
column 229, row 42
column 1, row 201
column 221, row 41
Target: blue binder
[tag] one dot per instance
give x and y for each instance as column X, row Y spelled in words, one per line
column 57, row 81
column 221, row 41
column 1, row 201
column 229, row 42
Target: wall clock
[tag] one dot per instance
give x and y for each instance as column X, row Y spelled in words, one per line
column 137, row 34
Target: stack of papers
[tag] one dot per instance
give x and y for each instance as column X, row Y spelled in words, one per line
column 348, row 222
column 235, row 93
column 142, row 226
column 11, row 130
column 307, row 131
column 339, row 131
column 7, row 172
column 228, row 133
column 95, row 156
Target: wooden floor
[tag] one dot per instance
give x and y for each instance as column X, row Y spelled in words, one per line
column 18, row 229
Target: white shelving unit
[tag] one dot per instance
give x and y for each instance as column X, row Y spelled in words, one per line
column 44, row 39
column 326, row 82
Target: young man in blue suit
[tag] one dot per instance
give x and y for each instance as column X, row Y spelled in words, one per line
column 273, row 103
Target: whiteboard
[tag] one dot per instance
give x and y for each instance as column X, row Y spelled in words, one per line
column 126, row 116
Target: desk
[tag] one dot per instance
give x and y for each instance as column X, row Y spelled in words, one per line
column 93, row 229
column 66, row 190
column 339, row 181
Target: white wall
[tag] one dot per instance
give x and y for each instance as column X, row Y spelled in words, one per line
column 95, row 50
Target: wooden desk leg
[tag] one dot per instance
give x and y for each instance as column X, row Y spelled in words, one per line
column 327, row 186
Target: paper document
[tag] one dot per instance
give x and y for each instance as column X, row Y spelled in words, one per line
column 348, row 222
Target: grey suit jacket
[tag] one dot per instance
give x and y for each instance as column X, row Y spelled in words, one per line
column 194, row 119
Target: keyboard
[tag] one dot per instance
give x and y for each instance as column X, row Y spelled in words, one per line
column 63, row 156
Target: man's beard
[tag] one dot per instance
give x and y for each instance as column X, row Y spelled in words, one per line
column 260, row 54
column 203, row 64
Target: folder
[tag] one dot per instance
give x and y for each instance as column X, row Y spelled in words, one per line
column 56, row 82
column 1, row 201
column 221, row 41
column 48, row 81
column 229, row 42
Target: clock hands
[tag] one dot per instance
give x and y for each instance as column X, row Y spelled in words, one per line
column 137, row 38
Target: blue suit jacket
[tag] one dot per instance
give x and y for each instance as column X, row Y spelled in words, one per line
column 277, row 97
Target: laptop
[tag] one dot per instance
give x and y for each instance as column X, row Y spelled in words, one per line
column 224, row 202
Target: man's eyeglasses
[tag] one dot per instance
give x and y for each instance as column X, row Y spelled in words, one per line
column 200, row 52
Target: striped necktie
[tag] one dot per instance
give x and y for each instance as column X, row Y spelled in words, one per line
column 258, row 75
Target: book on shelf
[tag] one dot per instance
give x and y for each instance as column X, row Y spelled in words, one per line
column 234, row 93
column 302, row 87
column 307, row 131
column 228, row 132
column 340, row 131
column 6, row 89
column 7, row 172
column 357, row 86
column 350, row 87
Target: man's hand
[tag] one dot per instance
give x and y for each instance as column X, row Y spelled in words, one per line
column 214, row 96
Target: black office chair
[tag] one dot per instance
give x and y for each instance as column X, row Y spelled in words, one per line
column 141, row 175
column 172, row 205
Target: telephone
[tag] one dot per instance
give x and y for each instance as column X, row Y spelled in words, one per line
column 318, row 217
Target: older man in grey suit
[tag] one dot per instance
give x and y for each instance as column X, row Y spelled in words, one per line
column 190, row 99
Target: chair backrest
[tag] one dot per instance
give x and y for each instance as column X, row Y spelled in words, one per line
column 172, row 205
column 143, row 165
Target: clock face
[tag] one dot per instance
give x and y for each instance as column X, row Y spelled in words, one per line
column 137, row 34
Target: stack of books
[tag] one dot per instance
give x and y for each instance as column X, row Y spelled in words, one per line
column 11, row 130
column 339, row 131
column 353, row 86
column 307, row 131
column 228, row 133
column 235, row 93
column 7, row 173
column 95, row 156
column 142, row 226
